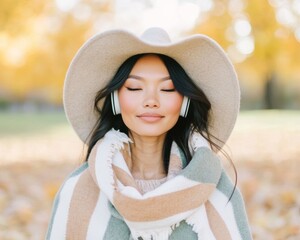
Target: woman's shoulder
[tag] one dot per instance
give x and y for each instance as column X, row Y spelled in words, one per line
column 71, row 179
column 77, row 172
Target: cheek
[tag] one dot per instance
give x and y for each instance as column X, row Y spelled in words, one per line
column 128, row 102
column 173, row 105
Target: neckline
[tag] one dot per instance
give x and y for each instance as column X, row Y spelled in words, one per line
column 150, row 180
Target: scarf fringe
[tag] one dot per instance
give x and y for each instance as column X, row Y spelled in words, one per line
column 157, row 234
column 113, row 142
column 200, row 225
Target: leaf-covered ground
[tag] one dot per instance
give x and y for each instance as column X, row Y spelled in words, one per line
column 265, row 147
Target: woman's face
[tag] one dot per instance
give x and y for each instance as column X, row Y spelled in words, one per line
column 150, row 105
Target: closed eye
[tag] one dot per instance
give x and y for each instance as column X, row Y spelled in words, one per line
column 133, row 89
column 169, row 90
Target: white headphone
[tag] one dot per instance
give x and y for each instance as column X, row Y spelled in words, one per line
column 115, row 102
column 185, row 106
column 117, row 110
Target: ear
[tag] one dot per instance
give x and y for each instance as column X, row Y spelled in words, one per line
column 185, row 106
column 115, row 102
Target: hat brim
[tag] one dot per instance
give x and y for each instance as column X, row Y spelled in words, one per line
column 98, row 59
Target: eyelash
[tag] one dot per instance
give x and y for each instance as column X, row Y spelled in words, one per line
column 164, row 90
column 134, row 89
column 169, row 90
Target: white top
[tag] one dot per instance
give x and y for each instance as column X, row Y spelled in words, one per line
column 149, row 185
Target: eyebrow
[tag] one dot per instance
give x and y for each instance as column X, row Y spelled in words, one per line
column 141, row 78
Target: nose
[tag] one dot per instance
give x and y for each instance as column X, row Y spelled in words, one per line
column 151, row 100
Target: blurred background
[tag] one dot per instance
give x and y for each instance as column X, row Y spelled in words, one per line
column 38, row 148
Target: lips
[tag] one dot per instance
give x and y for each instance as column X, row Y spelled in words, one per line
column 150, row 117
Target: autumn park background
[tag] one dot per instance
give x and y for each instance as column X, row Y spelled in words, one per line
column 38, row 148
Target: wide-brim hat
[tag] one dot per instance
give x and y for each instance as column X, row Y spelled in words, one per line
column 203, row 59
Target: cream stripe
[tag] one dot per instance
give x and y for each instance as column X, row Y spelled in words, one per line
column 173, row 185
column 199, row 222
column 207, row 231
column 124, row 161
column 176, row 184
column 61, row 217
column 161, row 222
column 99, row 220
column 103, row 171
column 77, row 227
column 219, row 201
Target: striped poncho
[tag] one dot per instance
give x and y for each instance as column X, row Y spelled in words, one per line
column 100, row 200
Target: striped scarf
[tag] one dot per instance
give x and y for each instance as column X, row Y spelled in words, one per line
column 194, row 199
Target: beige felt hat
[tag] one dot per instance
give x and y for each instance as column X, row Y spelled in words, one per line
column 98, row 59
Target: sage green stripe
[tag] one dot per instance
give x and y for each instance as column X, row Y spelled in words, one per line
column 225, row 186
column 182, row 158
column 78, row 171
column 116, row 229
column 205, row 167
column 183, row 231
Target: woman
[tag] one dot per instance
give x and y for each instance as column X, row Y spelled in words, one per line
column 153, row 115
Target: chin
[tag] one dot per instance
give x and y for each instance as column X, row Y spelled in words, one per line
column 149, row 132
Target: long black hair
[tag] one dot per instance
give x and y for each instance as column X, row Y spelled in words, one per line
column 197, row 118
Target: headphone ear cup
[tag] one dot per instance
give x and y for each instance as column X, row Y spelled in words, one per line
column 115, row 102
column 185, row 106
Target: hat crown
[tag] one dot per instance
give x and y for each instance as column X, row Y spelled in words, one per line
column 156, row 35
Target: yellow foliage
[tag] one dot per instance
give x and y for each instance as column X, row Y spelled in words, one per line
column 38, row 42
column 276, row 48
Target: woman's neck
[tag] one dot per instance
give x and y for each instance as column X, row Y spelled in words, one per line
column 147, row 157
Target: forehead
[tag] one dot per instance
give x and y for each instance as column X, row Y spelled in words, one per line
column 149, row 64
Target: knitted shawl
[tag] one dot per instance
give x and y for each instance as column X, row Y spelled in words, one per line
column 101, row 200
